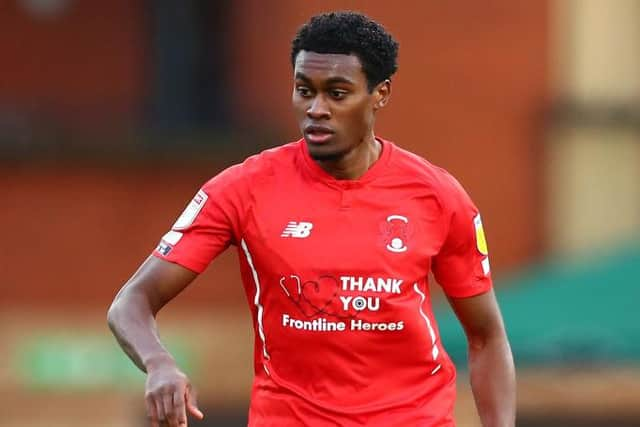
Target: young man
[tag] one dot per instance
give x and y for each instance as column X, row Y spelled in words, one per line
column 336, row 235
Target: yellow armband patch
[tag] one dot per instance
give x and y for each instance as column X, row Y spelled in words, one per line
column 481, row 240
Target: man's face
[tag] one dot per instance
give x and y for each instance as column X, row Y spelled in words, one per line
column 333, row 106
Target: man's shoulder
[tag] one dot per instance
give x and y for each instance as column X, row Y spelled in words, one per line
column 419, row 171
column 264, row 163
column 413, row 165
column 268, row 159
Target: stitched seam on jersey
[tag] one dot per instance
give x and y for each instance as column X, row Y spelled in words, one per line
column 256, row 300
column 434, row 349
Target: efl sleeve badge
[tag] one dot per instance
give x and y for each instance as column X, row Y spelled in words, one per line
column 191, row 211
column 481, row 240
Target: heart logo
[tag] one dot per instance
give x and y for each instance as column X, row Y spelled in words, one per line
column 316, row 297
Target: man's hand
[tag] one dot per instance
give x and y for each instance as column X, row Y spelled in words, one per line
column 168, row 397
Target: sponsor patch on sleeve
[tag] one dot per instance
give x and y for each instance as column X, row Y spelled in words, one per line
column 191, row 211
column 168, row 241
column 481, row 240
column 172, row 237
column 164, row 248
column 486, row 268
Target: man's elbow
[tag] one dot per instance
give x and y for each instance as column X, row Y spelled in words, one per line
column 130, row 302
column 494, row 336
column 114, row 313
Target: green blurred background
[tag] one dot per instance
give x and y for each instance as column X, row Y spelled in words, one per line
column 113, row 113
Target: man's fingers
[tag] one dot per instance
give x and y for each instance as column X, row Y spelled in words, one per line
column 162, row 418
column 151, row 412
column 179, row 408
column 169, row 410
column 192, row 403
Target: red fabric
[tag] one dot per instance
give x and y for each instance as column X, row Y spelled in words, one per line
column 336, row 275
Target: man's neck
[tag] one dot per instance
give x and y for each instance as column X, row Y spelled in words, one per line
column 353, row 164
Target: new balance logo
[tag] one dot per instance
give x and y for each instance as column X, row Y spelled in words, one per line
column 299, row 230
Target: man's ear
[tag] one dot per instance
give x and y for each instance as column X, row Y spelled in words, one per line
column 382, row 94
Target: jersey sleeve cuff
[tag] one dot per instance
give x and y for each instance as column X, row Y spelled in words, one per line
column 465, row 290
column 189, row 264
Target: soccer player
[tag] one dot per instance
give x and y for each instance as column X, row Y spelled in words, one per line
column 336, row 235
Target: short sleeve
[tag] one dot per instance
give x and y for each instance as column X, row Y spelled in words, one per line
column 208, row 225
column 462, row 265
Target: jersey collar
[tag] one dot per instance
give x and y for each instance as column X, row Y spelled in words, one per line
column 374, row 171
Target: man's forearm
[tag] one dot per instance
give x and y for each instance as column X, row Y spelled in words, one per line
column 132, row 322
column 493, row 382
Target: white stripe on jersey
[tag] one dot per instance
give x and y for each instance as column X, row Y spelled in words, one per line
column 434, row 349
column 256, row 301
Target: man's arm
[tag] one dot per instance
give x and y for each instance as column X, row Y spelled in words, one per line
column 131, row 317
column 491, row 367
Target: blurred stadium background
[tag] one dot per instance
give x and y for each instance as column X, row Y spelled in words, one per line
column 113, row 113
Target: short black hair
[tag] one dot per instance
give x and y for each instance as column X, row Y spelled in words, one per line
column 350, row 33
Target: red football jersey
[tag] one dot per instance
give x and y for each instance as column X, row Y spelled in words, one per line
column 336, row 276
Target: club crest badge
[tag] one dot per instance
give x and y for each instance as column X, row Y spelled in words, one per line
column 396, row 232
